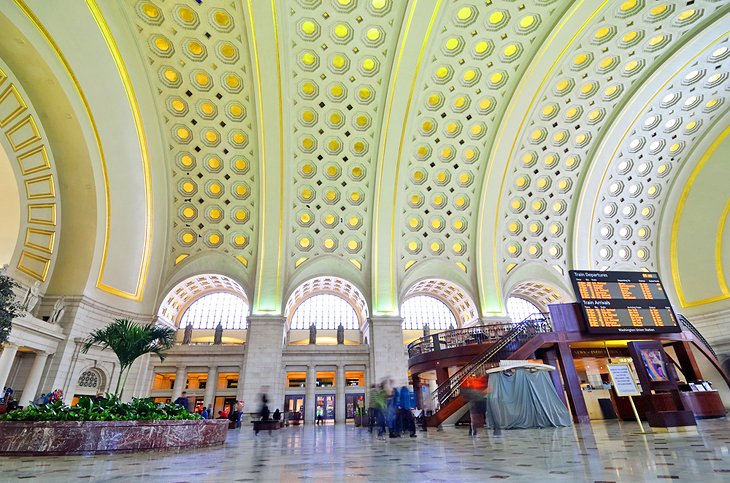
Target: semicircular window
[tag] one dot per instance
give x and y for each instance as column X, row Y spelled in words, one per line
column 519, row 309
column 326, row 312
column 424, row 309
column 205, row 313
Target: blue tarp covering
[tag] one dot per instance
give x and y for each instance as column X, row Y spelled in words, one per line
column 526, row 400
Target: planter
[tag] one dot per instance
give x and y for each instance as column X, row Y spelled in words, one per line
column 91, row 437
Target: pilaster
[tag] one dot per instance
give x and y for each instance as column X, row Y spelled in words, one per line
column 262, row 363
column 388, row 356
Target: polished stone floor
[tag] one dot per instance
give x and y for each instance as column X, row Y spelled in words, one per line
column 601, row 452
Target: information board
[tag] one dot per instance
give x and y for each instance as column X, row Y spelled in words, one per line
column 623, row 302
column 623, row 380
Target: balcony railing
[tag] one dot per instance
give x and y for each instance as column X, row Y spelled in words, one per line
column 458, row 338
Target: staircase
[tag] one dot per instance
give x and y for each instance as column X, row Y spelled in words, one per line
column 447, row 396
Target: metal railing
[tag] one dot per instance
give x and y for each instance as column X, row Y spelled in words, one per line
column 502, row 349
column 686, row 324
column 457, row 338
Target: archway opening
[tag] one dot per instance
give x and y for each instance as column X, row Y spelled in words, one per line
column 435, row 305
column 326, row 303
column 207, row 309
column 520, row 309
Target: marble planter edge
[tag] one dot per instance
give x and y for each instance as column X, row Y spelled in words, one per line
column 41, row 438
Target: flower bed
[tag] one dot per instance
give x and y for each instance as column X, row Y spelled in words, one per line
column 90, row 437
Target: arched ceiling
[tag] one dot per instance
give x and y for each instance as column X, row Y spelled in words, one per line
column 423, row 137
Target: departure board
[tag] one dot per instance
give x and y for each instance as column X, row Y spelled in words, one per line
column 623, row 302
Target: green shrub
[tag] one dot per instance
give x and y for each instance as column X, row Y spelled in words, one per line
column 110, row 408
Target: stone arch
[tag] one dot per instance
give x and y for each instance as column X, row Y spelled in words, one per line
column 537, row 283
column 453, row 295
column 26, row 148
column 190, row 289
column 328, row 285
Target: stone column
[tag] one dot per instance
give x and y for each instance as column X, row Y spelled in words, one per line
column 309, row 408
column 211, row 386
column 30, row 390
column 179, row 386
column 7, row 356
column 340, row 394
column 388, row 356
column 262, row 363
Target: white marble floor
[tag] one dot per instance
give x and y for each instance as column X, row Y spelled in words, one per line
column 601, row 452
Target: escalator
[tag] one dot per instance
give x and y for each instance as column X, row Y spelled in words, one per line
column 519, row 343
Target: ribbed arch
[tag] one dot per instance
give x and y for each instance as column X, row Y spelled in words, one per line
column 334, row 286
column 185, row 293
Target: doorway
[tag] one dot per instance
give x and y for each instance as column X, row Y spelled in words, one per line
column 327, row 403
column 352, row 403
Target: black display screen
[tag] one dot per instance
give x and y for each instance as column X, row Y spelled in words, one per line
column 623, row 302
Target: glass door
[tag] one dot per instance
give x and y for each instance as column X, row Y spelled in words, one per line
column 353, row 401
column 325, row 405
column 294, row 407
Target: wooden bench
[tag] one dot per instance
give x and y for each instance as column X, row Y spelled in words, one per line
column 268, row 425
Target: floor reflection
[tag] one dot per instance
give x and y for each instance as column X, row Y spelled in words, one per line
column 609, row 451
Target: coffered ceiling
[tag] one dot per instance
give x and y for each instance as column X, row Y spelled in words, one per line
column 387, row 143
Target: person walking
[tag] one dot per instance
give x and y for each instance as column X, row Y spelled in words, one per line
column 238, row 412
column 406, row 416
column 474, row 389
column 379, row 407
column 183, row 401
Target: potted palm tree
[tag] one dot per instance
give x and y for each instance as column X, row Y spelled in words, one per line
column 129, row 341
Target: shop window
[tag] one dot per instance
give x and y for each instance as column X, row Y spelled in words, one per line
column 163, row 381
column 297, row 382
column 424, row 309
column 519, row 309
column 325, row 379
column 206, row 312
column 354, row 378
column 326, row 312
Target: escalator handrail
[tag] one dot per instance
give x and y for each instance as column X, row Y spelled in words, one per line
column 683, row 321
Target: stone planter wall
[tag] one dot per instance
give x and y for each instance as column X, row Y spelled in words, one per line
column 90, row 437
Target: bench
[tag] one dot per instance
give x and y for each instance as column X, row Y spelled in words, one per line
column 268, row 425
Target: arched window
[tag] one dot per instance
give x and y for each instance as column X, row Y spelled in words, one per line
column 326, row 312
column 423, row 309
column 89, row 379
column 519, row 309
column 205, row 313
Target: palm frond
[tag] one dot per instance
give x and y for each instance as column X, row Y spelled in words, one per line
column 130, row 340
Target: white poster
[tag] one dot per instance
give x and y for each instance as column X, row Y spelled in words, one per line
column 623, row 380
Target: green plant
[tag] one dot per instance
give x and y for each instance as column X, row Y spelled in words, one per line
column 130, row 340
column 109, row 408
column 9, row 309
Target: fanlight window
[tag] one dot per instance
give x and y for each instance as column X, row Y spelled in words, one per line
column 422, row 309
column 519, row 309
column 326, row 312
column 205, row 313
column 89, row 379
